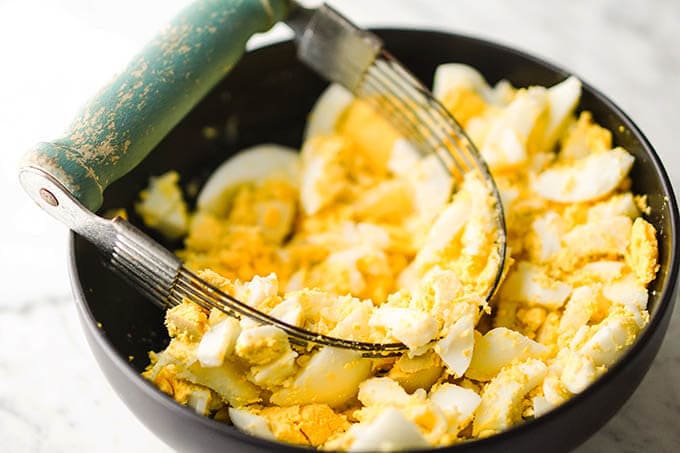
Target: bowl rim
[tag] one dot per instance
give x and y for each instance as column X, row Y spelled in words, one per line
column 665, row 297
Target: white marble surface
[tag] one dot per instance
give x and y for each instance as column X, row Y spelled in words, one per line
column 54, row 55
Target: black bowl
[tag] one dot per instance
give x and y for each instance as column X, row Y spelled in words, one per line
column 266, row 99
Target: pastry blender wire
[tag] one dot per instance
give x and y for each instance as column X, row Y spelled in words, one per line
column 328, row 43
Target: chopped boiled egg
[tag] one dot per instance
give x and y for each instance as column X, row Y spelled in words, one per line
column 508, row 141
column 362, row 237
column 562, row 101
column 587, row 179
column 247, row 166
column 500, row 406
column 332, row 376
column 530, row 284
column 250, row 423
column 390, row 431
column 323, row 175
column 458, row 403
column 643, row 251
column 455, row 349
column 327, row 109
column 414, row 328
column 162, row 206
column 262, row 344
column 498, row 348
column 219, row 341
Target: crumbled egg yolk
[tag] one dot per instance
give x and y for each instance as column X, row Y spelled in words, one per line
column 365, row 239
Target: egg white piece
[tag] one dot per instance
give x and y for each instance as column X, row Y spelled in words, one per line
column 381, row 391
column 274, row 373
column 448, row 224
column 289, row 311
column 452, row 76
column 249, row 165
column 578, row 373
column 457, row 403
column 562, row 100
column 506, row 143
column 403, row 158
column 198, row 400
column 412, row 327
column 608, row 236
column 548, row 230
column 609, row 341
column 456, row 348
column 528, row 283
column 261, row 288
column 616, row 205
column 390, row 431
column 432, row 186
column 541, row 406
column 250, row 423
column 162, row 206
column 586, row 179
column 578, row 310
column 497, row 410
column 327, row 109
column 500, row 347
column 604, row 270
column 320, row 382
column 218, row 342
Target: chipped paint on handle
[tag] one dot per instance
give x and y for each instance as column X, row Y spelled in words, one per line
column 132, row 114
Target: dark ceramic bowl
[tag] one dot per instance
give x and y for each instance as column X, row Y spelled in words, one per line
column 266, row 99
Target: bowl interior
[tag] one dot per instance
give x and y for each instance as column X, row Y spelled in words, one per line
column 266, row 99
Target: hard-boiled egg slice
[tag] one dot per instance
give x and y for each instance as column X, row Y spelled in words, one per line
column 623, row 204
column 199, row 400
column 586, row 179
column 457, row 403
column 454, row 76
column 390, row 431
column 506, row 143
column 608, row 236
column 562, row 100
column 403, row 158
column 643, row 252
column 323, row 175
column 499, row 408
column 412, row 327
column 327, row 109
column 261, row 345
column 498, row 348
column 289, row 311
column 627, row 291
column 382, row 391
column 274, row 373
column 541, row 406
column 249, row 165
column 547, row 230
column 162, row 206
column 432, row 185
column 528, row 283
column 455, row 349
column 250, row 423
column 218, row 342
column 446, row 227
column 331, row 376
column 610, row 340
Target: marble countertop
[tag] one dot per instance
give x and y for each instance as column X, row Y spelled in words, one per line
column 55, row 54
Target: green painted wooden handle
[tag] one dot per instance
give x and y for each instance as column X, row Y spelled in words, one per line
column 129, row 116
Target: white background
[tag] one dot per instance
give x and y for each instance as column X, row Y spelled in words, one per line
column 55, row 54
